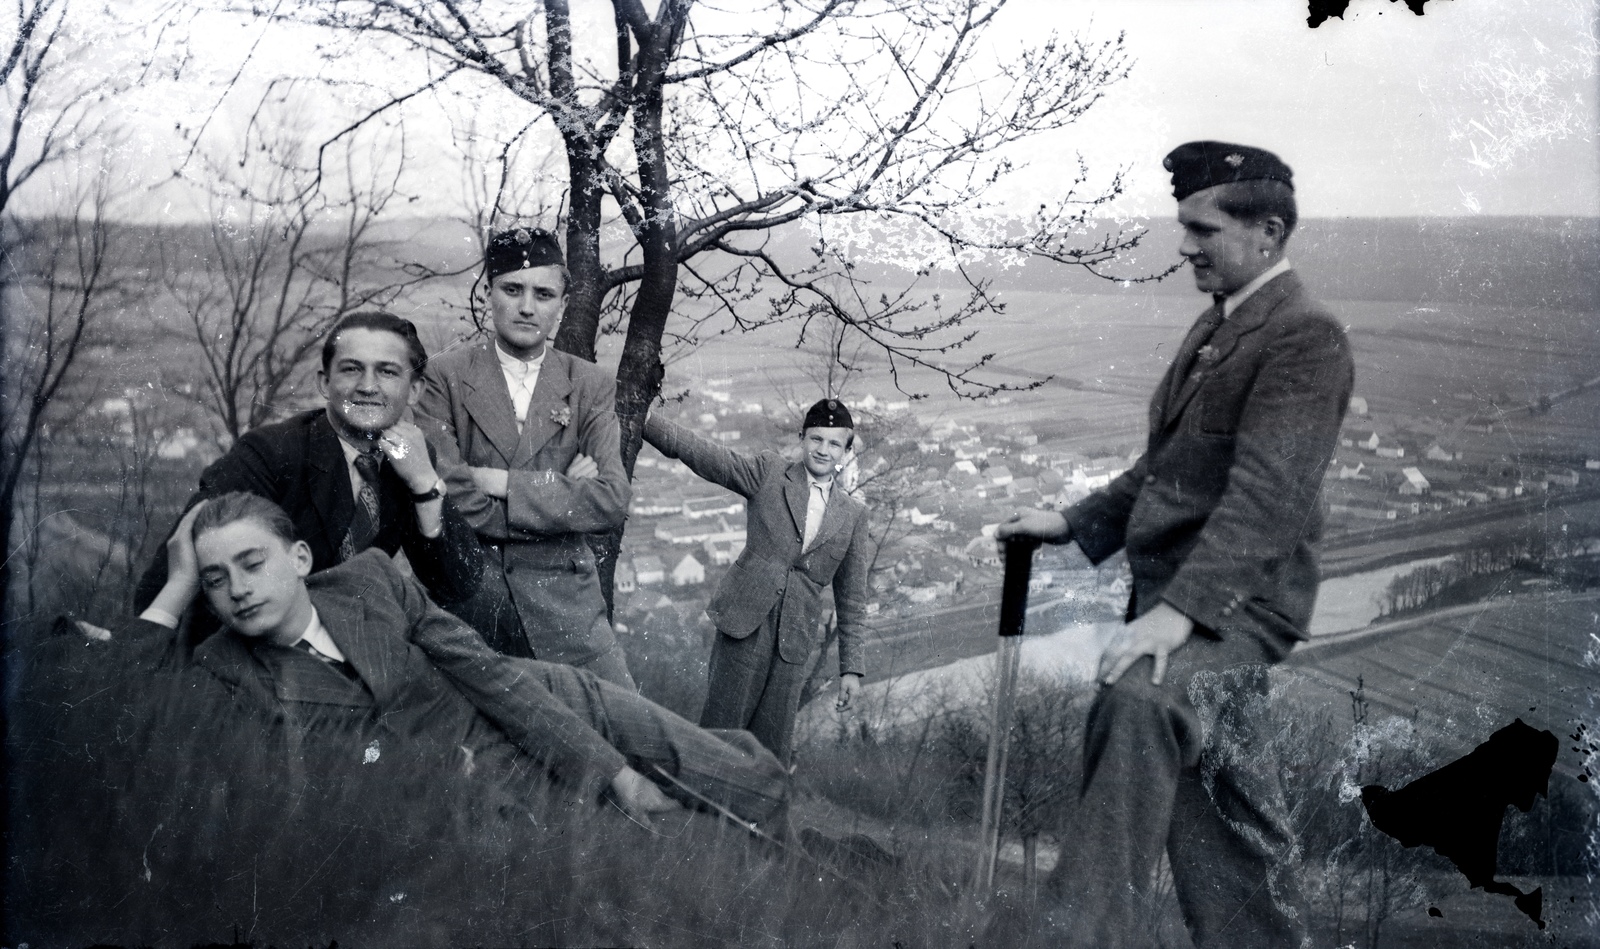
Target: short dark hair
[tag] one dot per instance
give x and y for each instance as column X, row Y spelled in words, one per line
column 1258, row 199
column 244, row 506
column 382, row 322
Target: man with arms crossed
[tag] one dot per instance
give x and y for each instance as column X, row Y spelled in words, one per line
column 354, row 474
column 804, row 533
column 362, row 641
column 539, row 429
column 1217, row 518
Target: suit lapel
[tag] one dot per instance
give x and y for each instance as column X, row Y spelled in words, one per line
column 548, row 400
column 794, row 491
column 371, row 653
column 488, row 401
column 226, row 656
column 1250, row 316
column 330, row 489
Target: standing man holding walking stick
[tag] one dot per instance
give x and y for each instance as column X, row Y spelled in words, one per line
column 1217, row 518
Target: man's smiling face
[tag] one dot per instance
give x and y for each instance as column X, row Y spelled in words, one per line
column 255, row 581
column 1225, row 252
column 369, row 383
column 824, row 450
column 527, row 306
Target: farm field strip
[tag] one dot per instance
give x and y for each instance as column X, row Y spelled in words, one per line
column 1466, row 675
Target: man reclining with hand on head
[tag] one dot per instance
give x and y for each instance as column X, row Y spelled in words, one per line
column 360, row 638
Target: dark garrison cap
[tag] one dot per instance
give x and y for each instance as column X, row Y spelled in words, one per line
column 829, row 413
column 1196, row 166
column 520, row 248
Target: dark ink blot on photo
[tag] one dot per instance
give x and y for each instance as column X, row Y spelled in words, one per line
column 1457, row 810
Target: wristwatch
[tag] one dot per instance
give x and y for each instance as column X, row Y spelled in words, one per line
column 437, row 491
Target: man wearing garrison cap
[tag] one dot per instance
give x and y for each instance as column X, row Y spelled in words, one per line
column 804, row 533
column 538, row 428
column 1218, row 518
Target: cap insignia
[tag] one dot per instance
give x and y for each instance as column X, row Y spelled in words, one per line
column 1234, row 160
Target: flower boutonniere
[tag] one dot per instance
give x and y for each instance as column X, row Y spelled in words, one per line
column 561, row 415
column 1207, row 355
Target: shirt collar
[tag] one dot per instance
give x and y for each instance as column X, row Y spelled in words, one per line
column 351, row 452
column 520, row 367
column 317, row 635
column 826, row 486
column 1237, row 298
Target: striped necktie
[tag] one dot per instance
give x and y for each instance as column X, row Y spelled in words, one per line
column 364, row 525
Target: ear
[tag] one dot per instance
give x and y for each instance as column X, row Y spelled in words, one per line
column 322, row 384
column 300, row 551
column 1273, row 229
column 414, row 394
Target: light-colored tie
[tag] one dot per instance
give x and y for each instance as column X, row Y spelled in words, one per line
column 816, row 504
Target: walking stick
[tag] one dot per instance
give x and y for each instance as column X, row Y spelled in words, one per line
column 1013, row 610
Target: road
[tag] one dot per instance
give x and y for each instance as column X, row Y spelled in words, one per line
column 1434, row 535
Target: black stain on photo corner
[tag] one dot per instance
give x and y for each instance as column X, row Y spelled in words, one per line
column 1320, row 10
column 1457, row 809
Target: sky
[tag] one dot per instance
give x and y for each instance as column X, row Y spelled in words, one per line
column 1477, row 107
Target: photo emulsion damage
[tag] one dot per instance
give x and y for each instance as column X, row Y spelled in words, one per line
column 801, row 473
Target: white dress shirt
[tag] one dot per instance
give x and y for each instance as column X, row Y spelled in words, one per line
column 1237, row 297
column 816, row 504
column 316, row 636
column 521, row 377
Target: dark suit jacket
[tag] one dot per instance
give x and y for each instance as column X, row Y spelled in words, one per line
column 773, row 569
column 1219, row 515
column 298, row 464
column 424, row 672
column 537, row 533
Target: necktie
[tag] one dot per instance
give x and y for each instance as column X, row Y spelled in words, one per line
column 344, row 668
column 816, row 504
column 1204, row 330
column 364, row 526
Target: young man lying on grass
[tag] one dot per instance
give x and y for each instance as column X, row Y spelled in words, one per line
column 360, row 639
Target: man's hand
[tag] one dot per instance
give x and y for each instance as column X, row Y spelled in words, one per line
column 1157, row 633
column 583, row 467
column 1048, row 526
column 492, row 481
column 639, row 797
column 182, row 563
column 849, row 685
column 407, row 449
column 183, row 572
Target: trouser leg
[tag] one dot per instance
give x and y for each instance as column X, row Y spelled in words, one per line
column 729, row 768
column 1232, row 848
column 1146, row 788
column 773, row 720
column 1136, row 743
column 737, row 676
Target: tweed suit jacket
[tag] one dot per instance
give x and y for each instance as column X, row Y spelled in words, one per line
column 299, row 465
column 425, row 671
column 1219, row 515
column 773, row 569
column 536, row 534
